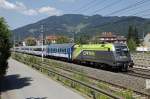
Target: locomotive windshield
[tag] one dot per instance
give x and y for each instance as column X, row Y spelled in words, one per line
column 122, row 50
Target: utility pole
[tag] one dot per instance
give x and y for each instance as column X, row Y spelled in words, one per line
column 14, row 44
column 42, row 42
column 74, row 36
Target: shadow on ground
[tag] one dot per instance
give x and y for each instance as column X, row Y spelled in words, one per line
column 11, row 82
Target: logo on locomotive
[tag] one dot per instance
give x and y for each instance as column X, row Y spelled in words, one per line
column 89, row 53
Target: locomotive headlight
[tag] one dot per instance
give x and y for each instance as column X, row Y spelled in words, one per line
column 119, row 64
column 122, row 57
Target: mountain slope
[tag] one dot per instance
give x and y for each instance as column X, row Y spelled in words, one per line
column 69, row 23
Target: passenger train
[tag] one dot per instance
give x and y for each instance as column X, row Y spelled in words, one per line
column 116, row 56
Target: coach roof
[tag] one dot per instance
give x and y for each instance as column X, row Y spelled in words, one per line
column 66, row 45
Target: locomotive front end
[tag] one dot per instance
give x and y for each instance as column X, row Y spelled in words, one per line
column 123, row 57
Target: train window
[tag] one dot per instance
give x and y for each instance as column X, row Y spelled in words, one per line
column 53, row 50
column 56, row 50
column 59, row 50
column 64, row 50
column 67, row 50
column 38, row 49
column 121, row 50
column 49, row 50
column 44, row 49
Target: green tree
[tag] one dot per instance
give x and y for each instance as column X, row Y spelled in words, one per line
column 131, row 44
column 136, row 36
column 4, row 46
column 132, row 38
column 30, row 41
column 82, row 39
column 62, row 39
column 130, row 33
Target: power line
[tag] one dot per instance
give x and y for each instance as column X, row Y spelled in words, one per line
column 132, row 9
column 108, row 6
column 94, row 5
column 141, row 11
column 89, row 3
column 139, row 3
column 128, row 7
column 146, row 14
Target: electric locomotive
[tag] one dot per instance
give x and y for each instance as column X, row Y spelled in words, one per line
column 116, row 56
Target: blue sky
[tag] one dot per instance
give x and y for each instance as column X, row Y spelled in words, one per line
column 22, row 12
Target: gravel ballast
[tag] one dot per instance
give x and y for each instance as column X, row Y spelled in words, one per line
column 119, row 79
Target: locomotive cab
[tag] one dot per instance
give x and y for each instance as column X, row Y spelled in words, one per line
column 123, row 57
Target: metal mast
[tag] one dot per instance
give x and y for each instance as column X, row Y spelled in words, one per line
column 42, row 42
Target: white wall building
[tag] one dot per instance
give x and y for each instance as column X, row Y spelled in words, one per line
column 147, row 40
column 146, row 44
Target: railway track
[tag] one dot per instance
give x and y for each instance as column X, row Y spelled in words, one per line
column 97, row 79
column 95, row 75
column 139, row 72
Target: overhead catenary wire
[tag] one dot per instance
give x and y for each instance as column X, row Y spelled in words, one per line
column 145, row 14
column 136, row 4
column 137, row 7
column 108, row 6
column 85, row 5
column 131, row 15
column 128, row 7
column 93, row 5
column 141, row 11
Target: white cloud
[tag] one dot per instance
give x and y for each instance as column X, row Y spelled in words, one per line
column 6, row 5
column 30, row 12
column 49, row 10
column 21, row 8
